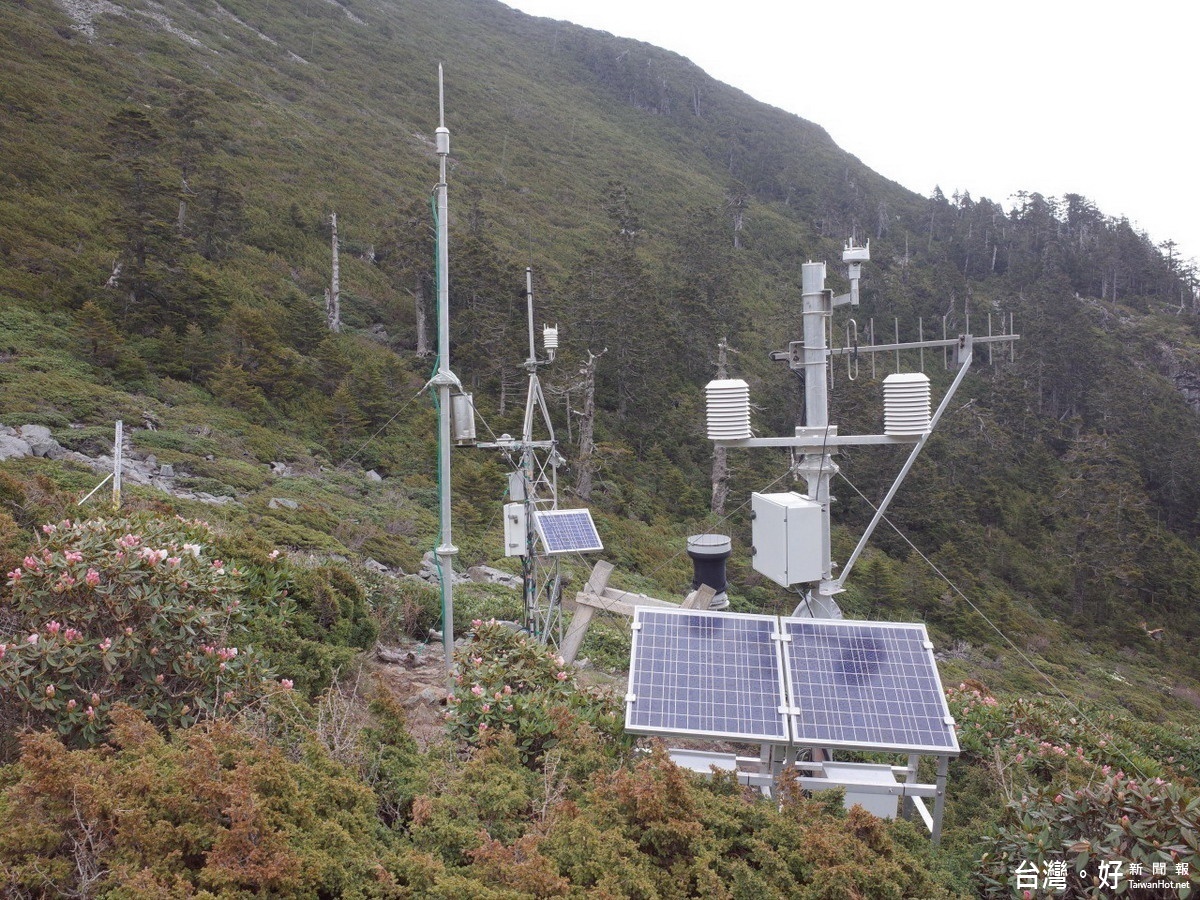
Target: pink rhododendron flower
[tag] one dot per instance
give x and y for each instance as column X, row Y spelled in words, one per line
column 483, row 726
column 31, row 563
column 15, row 574
column 92, row 578
column 49, row 529
column 32, row 639
column 477, row 691
column 487, row 707
column 91, row 713
column 106, row 645
column 71, row 704
column 273, row 555
column 286, row 683
column 129, row 541
column 74, row 556
column 51, row 690
column 173, row 561
column 561, row 676
column 53, row 627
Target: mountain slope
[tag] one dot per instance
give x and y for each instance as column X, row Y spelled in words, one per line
column 166, row 216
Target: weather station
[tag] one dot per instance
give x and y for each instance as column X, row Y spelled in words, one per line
column 813, row 684
column 535, row 529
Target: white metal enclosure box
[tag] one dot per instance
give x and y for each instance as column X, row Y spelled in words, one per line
column 787, row 537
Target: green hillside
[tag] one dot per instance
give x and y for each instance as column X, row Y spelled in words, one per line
column 169, row 174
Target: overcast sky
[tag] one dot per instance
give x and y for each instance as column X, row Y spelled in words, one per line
column 1055, row 96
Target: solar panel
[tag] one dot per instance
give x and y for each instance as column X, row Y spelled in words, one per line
column 567, row 531
column 866, row 686
column 706, row 674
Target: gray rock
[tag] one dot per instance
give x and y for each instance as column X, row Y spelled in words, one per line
column 282, row 503
column 12, row 447
column 375, row 566
column 9, row 430
column 34, row 433
column 166, row 470
column 429, row 571
column 488, row 575
column 209, row 498
column 281, row 470
column 372, row 475
column 41, row 442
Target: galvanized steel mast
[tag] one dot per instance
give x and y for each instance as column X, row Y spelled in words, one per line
column 444, row 380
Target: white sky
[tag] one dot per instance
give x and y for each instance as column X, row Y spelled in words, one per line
column 1056, row 96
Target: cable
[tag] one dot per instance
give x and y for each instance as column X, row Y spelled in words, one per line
column 995, row 627
column 381, row 428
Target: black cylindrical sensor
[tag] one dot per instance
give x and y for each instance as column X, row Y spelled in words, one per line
column 709, row 553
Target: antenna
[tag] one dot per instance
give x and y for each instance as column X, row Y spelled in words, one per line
column 792, row 532
column 445, row 382
column 533, row 524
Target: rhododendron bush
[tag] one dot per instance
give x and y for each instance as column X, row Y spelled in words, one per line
column 124, row 610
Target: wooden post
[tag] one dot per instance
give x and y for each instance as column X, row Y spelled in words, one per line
column 583, row 614
column 118, row 454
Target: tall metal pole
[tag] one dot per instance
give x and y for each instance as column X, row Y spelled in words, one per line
column 529, row 564
column 444, row 380
column 818, row 469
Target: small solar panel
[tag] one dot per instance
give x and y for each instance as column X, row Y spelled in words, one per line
column 706, row 674
column 567, row 531
column 866, row 686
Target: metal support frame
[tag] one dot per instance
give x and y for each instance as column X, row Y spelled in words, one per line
column 541, row 577
column 817, row 440
column 765, row 770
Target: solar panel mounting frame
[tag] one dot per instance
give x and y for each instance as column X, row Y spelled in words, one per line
column 787, row 692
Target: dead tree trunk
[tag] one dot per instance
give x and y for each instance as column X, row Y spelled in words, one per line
column 720, row 468
column 422, row 329
column 587, row 427
column 333, row 296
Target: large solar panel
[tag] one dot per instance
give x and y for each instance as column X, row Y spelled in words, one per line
column 866, row 686
column 707, row 674
column 567, row 531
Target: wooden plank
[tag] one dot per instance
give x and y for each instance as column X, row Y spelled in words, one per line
column 582, row 618
column 699, row 599
column 618, row 602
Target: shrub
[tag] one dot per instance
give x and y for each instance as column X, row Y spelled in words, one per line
column 208, row 812
column 1121, row 826
column 125, row 610
column 508, row 681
